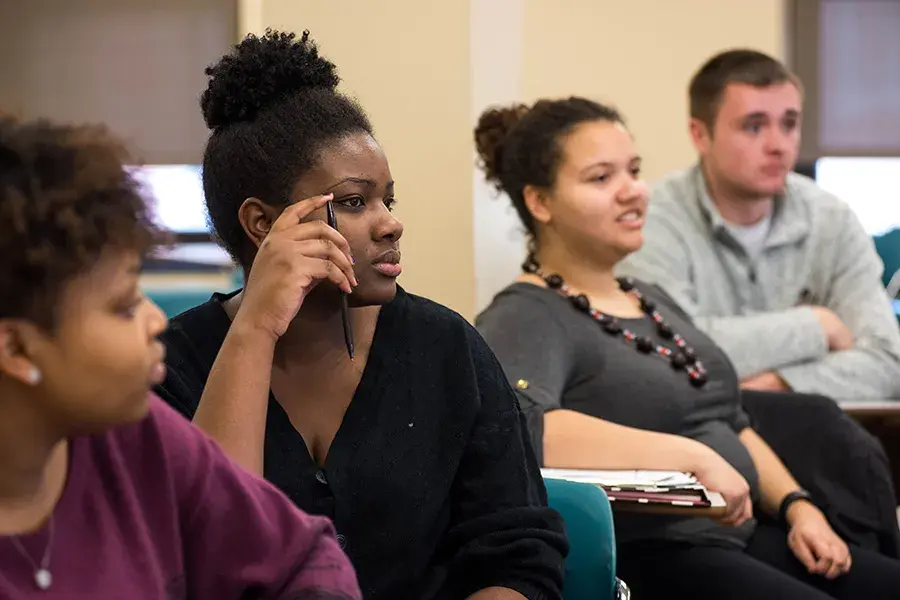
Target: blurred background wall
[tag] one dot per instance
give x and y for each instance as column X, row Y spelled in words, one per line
column 425, row 70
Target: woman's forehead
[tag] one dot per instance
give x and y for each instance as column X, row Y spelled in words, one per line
column 354, row 157
column 112, row 274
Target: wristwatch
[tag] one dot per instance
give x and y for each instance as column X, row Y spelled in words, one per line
column 790, row 499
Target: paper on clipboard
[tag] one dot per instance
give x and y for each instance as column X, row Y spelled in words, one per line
column 648, row 491
column 716, row 500
column 625, row 478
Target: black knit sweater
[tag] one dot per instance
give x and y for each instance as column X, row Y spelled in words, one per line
column 430, row 481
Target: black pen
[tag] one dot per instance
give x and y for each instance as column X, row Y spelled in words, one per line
column 345, row 311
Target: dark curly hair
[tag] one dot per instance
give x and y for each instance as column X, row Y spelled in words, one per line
column 65, row 199
column 272, row 106
column 520, row 146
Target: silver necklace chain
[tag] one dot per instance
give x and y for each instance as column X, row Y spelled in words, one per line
column 42, row 576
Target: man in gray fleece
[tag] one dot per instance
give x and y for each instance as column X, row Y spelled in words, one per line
column 777, row 271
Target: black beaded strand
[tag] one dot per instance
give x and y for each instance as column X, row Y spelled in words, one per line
column 683, row 357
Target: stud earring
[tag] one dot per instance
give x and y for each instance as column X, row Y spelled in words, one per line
column 34, row 376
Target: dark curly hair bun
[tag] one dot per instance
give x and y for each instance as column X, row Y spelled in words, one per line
column 490, row 133
column 261, row 71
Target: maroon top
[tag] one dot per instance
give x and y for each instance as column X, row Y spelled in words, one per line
column 156, row 511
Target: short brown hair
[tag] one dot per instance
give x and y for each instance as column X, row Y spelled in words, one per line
column 65, row 199
column 733, row 66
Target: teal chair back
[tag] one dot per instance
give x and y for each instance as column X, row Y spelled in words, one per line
column 591, row 564
column 176, row 300
column 888, row 248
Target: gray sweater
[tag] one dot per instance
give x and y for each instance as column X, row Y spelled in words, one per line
column 756, row 306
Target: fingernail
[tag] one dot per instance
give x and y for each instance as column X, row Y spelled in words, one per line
column 352, row 260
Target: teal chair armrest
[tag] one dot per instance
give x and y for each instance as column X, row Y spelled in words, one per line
column 176, row 301
column 591, row 564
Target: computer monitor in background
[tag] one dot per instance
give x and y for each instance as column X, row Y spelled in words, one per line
column 176, row 194
column 871, row 186
column 178, row 204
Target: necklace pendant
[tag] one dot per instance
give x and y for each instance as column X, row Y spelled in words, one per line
column 43, row 579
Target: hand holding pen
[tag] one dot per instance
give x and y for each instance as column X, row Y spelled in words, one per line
column 292, row 259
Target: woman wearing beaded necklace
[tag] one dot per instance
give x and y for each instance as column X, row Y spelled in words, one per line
column 612, row 374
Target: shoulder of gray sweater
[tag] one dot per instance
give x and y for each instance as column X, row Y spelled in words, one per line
column 822, row 206
column 674, row 187
column 671, row 198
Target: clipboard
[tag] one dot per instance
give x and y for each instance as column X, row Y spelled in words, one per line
column 712, row 508
column 648, row 491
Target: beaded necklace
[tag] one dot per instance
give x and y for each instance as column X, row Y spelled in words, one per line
column 682, row 358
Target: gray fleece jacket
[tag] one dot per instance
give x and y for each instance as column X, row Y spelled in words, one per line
column 756, row 305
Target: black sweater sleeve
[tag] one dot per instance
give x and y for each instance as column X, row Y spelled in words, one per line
column 502, row 531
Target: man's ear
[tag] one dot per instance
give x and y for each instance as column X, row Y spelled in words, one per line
column 14, row 359
column 256, row 218
column 536, row 201
column 701, row 136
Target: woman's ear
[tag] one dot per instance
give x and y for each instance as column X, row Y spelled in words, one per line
column 14, row 360
column 256, row 218
column 536, row 201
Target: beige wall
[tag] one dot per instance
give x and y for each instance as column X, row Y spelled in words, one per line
column 659, row 44
column 424, row 70
column 407, row 62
